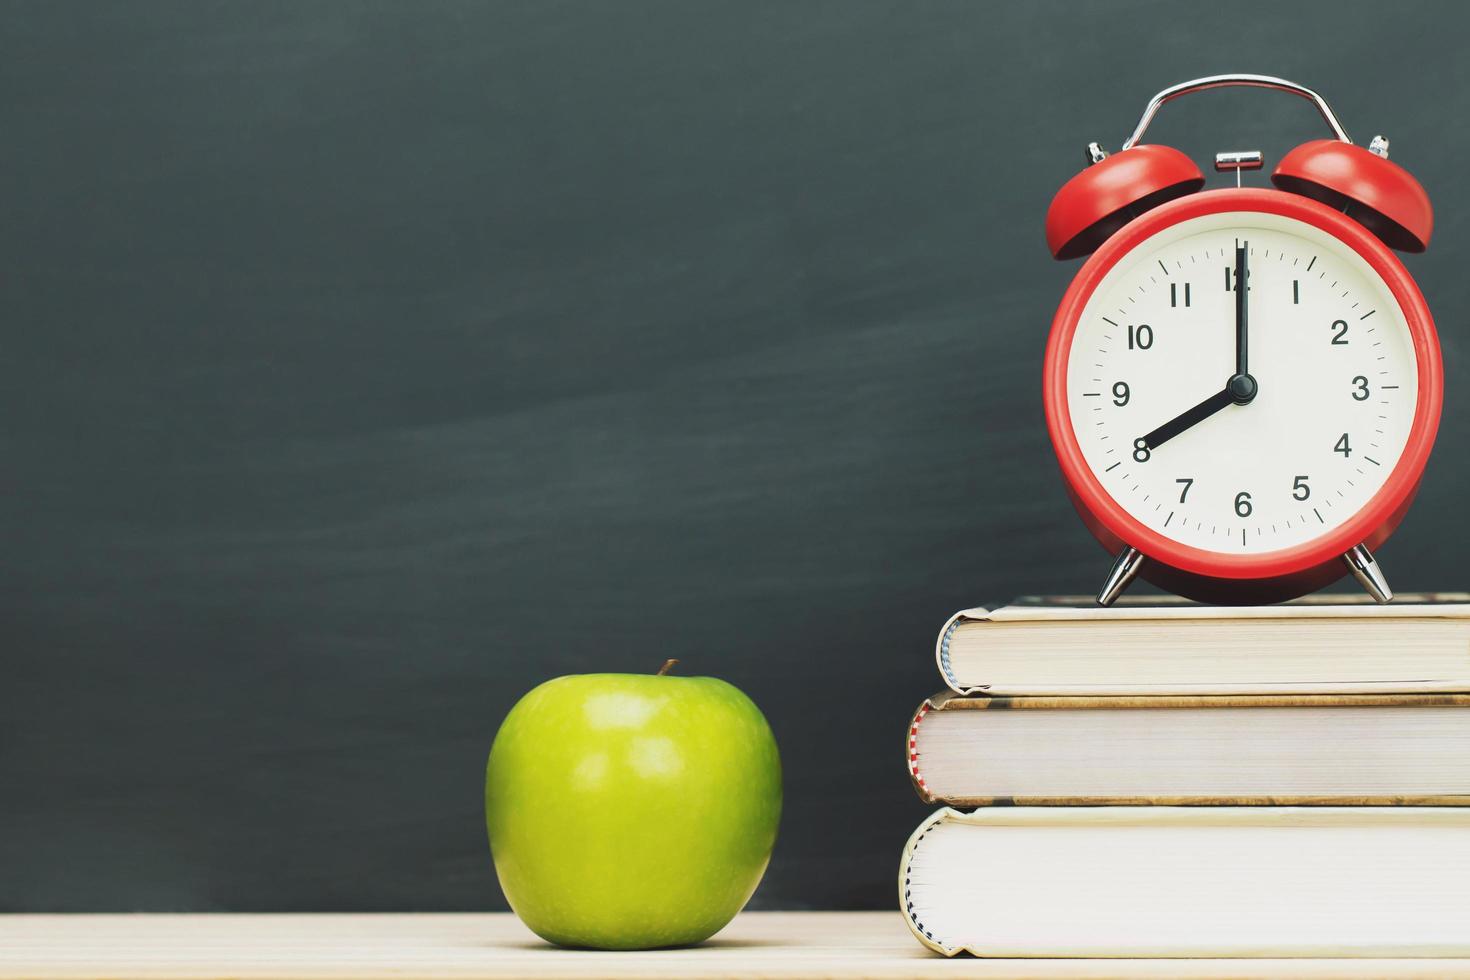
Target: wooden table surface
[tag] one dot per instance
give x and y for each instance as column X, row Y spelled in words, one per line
column 363, row 947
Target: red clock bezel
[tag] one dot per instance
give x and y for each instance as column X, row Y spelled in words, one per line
column 1113, row 525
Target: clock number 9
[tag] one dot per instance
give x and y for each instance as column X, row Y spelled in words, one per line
column 1360, row 391
column 1140, row 451
column 1120, row 393
column 1243, row 504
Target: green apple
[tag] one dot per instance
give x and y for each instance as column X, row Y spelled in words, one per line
column 631, row 811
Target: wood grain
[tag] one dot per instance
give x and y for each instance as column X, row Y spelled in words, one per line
column 365, row 947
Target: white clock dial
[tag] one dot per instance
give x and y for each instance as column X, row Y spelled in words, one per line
column 1330, row 352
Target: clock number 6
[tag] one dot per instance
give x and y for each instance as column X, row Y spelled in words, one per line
column 1243, row 504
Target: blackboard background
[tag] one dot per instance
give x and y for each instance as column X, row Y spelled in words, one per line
column 367, row 363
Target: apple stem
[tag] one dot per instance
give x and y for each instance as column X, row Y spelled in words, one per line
column 668, row 666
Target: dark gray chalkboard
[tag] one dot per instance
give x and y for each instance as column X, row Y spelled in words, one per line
column 367, row 363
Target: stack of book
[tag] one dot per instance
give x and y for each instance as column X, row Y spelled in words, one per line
column 1169, row 779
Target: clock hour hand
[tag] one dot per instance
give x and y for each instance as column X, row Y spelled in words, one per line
column 1241, row 388
column 1219, row 400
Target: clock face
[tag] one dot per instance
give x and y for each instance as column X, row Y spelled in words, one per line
column 1279, row 456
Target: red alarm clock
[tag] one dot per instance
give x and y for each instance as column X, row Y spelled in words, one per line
column 1242, row 385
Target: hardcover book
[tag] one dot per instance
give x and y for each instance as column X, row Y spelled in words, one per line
column 1362, row 749
column 1190, row 881
column 1324, row 645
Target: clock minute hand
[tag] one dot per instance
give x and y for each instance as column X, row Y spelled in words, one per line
column 1219, row 400
column 1242, row 310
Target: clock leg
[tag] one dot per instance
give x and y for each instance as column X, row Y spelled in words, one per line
column 1365, row 569
column 1125, row 569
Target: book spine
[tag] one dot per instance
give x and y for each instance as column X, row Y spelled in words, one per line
column 916, row 925
column 911, row 752
column 941, row 652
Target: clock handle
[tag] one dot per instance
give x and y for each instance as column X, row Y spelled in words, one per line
column 1125, row 570
column 1231, row 81
column 1364, row 566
